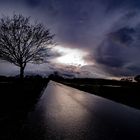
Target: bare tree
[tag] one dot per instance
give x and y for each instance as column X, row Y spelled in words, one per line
column 22, row 42
column 137, row 78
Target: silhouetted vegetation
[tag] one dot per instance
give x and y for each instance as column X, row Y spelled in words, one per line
column 137, row 78
column 22, row 42
column 127, row 79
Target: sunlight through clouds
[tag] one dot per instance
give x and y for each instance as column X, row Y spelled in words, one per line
column 70, row 56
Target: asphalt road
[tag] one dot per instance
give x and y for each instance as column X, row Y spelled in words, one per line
column 64, row 113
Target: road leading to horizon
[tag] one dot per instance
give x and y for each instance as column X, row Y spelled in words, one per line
column 65, row 113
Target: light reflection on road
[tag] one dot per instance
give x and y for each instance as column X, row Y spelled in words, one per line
column 64, row 113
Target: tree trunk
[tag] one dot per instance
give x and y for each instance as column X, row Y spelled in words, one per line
column 21, row 72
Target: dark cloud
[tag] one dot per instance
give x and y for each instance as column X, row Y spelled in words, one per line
column 108, row 29
column 123, row 36
column 119, row 52
column 33, row 3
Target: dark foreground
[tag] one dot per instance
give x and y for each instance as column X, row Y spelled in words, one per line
column 17, row 99
column 64, row 113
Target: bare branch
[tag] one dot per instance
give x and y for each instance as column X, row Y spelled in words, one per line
column 22, row 42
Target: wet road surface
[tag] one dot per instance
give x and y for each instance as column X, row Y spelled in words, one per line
column 65, row 113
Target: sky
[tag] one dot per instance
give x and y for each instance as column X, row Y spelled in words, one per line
column 102, row 35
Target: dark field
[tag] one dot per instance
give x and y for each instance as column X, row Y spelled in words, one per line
column 17, row 98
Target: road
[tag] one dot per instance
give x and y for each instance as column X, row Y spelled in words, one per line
column 65, row 113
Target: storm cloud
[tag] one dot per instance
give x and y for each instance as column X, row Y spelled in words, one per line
column 119, row 52
column 108, row 29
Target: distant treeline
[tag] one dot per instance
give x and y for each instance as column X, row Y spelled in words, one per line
column 58, row 78
column 95, row 81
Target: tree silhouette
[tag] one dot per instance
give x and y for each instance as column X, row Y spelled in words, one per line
column 22, row 41
column 137, row 78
